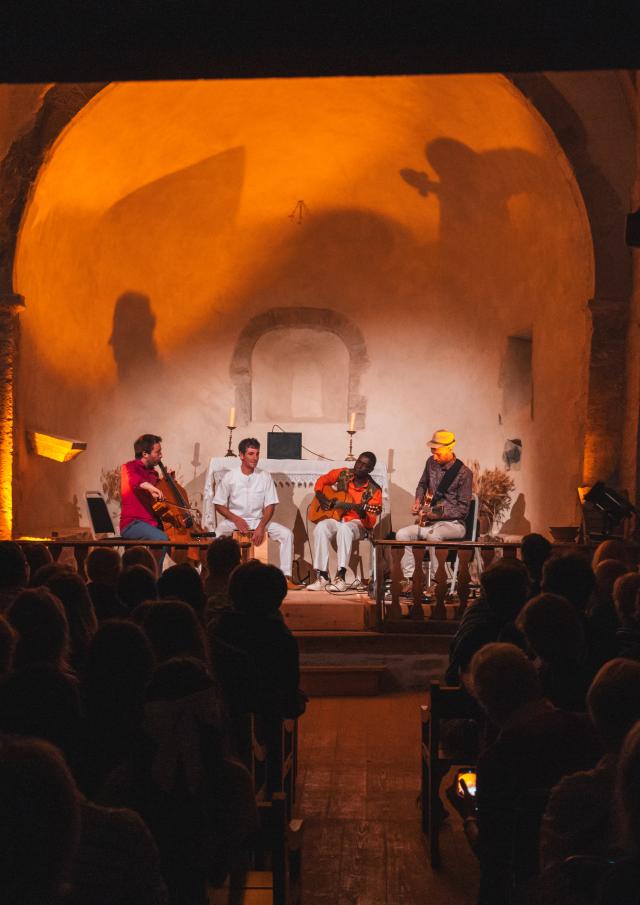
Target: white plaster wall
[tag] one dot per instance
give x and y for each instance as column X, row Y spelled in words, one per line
column 442, row 218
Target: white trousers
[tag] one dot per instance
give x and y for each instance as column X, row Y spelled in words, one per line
column 345, row 534
column 278, row 533
column 437, row 531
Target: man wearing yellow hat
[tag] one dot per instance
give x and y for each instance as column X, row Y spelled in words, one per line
column 443, row 497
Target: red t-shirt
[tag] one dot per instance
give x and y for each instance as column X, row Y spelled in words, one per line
column 355, row 493
column 136, row 502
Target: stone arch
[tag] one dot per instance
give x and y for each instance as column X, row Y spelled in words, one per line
column 609, row 307
column 311, row 318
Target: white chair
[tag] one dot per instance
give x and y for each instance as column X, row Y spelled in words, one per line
column 471, row 534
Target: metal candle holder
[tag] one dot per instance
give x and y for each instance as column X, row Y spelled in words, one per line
column 230, row 452
column 350, row 457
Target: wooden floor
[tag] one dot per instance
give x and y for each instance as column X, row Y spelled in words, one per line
column 359, row 776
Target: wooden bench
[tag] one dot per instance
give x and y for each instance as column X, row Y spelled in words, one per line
column 274, row 759
column 275, row 877
column 445, row 703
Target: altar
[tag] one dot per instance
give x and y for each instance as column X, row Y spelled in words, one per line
column 295, row 480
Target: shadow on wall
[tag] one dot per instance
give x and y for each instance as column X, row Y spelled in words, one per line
column 132, row 341
column 401, row 502
column 517, row 523
column 71, row 513
column 474, row 189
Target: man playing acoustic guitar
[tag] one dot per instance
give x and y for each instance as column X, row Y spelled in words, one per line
column 442, row 501
column 346, row 521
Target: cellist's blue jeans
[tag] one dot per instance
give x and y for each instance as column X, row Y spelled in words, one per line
column 139, row 530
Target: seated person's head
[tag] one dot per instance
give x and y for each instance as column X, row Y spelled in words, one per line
column 119, row 664
column 223, row 555
column 503, row 681
column 140, row 556
column 78, row 606
column 536, row 550
column 47, row 571
column 553, row 629
column 135, row 585
column 570, row 576
column 257, row 589
column 625, row 595
column 178, row 678
column 613, row 700
column 7, row 646
column 627, row 797
column 614, row 548
column 174, row 630
column 14, row 569
column 39, row 619
column 504, row 586
column 37, row 555
column 40, row 823
column 104, row 565
column 182, row 582
column 606, row 573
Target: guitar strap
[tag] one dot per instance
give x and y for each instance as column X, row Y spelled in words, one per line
column 446, row 481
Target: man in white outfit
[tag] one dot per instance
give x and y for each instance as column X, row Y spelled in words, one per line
column 246, row 498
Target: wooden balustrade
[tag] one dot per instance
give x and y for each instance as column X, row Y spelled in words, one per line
column 389, row 553
column 82, row 548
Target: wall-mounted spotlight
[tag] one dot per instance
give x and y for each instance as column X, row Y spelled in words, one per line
column 60, row 449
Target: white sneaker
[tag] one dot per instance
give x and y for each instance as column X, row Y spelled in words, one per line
column 338, row 585
column 319, row 584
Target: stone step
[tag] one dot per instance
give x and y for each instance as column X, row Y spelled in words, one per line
column 365, row 642
column 337, row 673
column 341, row 680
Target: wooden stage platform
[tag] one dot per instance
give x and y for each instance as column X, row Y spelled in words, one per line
column 309, row 611
column 324, row 611
column 341, row 653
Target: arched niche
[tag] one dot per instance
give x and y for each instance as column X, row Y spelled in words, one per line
column 306, row 323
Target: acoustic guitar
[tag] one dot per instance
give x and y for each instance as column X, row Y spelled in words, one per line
column 341, row 503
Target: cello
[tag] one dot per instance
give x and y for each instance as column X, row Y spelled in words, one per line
column 178, row 517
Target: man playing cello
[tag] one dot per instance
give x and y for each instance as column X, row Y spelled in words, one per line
column 359, row 516
column 138, row 479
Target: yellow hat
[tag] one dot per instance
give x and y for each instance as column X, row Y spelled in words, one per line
column 442, row 438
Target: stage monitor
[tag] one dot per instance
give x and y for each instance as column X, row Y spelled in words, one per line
column 281, row 445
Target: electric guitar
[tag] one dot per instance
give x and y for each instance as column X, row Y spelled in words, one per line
column 428, row 513
column 341, row 503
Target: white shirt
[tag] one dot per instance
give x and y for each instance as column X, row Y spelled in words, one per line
column 246, row 495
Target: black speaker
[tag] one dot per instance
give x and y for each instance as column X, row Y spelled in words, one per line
column 282, row 445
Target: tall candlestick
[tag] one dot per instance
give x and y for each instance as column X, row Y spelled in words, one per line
column 352, row 421
column 229, row 451
column 232, row 417
column 350, row 456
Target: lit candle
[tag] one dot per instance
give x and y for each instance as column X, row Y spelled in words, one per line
column 352, row 421
column 232, row 417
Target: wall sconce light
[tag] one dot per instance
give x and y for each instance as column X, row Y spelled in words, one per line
column 60, row 449
column 299, row 212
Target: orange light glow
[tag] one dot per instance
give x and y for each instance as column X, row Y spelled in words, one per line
column 60, row 449
column 583, row 491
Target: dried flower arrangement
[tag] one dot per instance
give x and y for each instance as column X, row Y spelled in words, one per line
column 110, row 481
column 494, row 488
